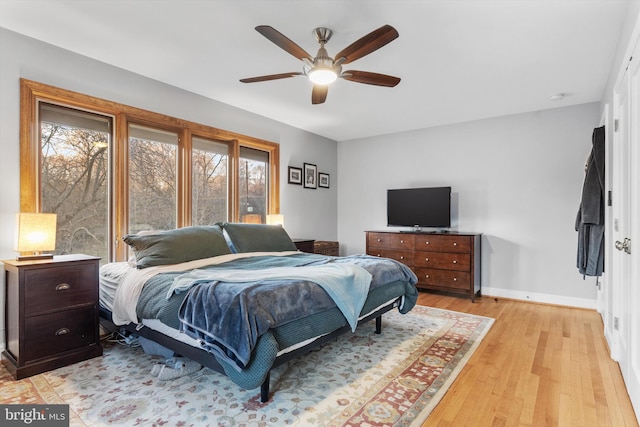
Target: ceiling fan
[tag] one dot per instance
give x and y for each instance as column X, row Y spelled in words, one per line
column 323, row 70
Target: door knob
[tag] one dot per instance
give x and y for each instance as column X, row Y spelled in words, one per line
column 625, row 245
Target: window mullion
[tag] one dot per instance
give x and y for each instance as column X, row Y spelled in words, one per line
column 184, row 178
column 234, row 182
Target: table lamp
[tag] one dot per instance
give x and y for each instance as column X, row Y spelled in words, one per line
column 275, row 219
column 35, row 234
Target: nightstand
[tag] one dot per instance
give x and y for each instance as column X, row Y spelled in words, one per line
column 304, row 245
column 51, row 313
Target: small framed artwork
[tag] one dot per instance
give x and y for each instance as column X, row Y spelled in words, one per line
column 310, row 176
column 295, row 175
column 323, row 180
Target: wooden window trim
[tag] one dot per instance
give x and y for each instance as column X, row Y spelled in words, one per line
column 32, row 92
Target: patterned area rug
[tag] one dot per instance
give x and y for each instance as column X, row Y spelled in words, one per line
column 392, row 379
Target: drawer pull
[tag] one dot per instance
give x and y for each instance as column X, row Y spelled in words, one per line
column 63, row 287
column 379, row 240
column 455, row 279
column 455, row 243
column 426, row 259
column 455, row 261
column 426, row 243
column 426, row 276
column 379, row 255
column 62, row 331
column 401, row 257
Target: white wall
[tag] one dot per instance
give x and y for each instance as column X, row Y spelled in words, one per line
column 516, row 179
column 308, row 213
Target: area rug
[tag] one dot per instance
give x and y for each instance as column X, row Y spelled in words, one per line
column 392, row 379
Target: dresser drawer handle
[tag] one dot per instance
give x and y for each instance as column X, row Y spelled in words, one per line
column 426, row 259
column 401, row 241
column 379, row 240
column 63, row 287
column 455, row 261
column 378, row 255
column 426, row 276
column 426, row 243
column 62, row 331
column 401, row 257
column 455, row 243
column 455, row 279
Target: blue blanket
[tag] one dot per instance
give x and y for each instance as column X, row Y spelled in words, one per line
column 346, row 284
column 228, row 306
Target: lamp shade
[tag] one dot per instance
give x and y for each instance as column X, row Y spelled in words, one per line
column 35, row 232
column 275, row 219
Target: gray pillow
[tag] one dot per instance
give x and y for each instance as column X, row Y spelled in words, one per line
column 257, row 237
column 176, row 246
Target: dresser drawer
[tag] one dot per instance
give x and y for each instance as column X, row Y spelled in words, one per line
column 48, row 289
column 405, row 257
column 440, row 243
column 445, row 279
column 55, row 333
column 443, row 260
column 390, row 240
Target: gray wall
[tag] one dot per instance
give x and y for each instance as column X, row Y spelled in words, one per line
column 516, row 179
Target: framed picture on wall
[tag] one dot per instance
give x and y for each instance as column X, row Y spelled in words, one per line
column 323, row 180
column 310, row 176
column 295, row 175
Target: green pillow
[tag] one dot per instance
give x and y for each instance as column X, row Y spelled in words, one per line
column 257, row 237
column 176, row 246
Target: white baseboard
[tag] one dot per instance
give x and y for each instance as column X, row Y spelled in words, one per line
column 536, row 297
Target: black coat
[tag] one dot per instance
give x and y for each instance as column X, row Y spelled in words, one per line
column 590, row 219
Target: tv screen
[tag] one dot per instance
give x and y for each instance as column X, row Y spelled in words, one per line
column 419, row 207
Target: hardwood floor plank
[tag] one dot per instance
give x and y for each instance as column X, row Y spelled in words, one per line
column 539, row 365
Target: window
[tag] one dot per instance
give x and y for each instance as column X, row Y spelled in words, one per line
column 109, row 169
column 254, row 165
column 153, row 179
column 74, row 172
column 209, row 182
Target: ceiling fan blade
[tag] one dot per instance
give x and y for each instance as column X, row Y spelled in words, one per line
column 319, row 94
column 367, row 44
column 370, row 78
column 270, row 77
column 283, row 42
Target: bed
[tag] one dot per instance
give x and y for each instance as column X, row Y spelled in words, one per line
column 241, row 300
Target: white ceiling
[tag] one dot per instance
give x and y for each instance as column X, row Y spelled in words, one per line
column 459, row 60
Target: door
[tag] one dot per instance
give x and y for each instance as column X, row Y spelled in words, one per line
column 625, row 267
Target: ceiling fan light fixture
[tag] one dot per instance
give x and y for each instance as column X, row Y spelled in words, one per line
column 322, row 76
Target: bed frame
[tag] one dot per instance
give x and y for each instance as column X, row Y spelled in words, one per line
column 207, row 359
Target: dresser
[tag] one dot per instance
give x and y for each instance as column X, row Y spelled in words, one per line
column 51, row 313
column 448, row 262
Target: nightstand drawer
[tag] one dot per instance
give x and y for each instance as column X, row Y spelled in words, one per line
column 48, row 289
column 55, row 333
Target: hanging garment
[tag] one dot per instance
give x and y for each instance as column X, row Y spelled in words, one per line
column 590, row 219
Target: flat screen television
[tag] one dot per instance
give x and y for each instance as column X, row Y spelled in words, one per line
column 419, row 207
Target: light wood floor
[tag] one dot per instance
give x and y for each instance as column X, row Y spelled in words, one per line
column 539, row 365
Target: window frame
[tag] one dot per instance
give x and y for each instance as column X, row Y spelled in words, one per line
column 32, row 93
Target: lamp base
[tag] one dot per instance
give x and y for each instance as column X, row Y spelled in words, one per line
column 33, row 257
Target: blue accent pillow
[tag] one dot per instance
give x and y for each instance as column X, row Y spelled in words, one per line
column 176, row 246
column 243, row 237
